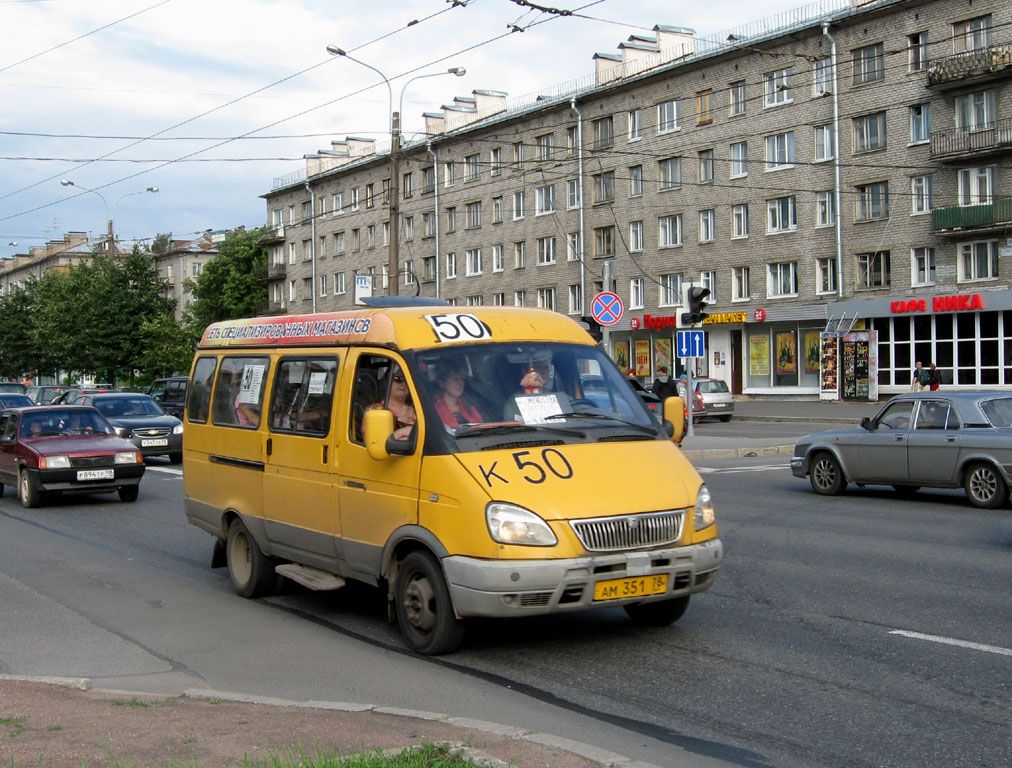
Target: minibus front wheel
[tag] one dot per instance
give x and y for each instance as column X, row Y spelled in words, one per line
column 249, row 569
column 424, row 609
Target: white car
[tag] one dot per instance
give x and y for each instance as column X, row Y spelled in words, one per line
column 716, row 398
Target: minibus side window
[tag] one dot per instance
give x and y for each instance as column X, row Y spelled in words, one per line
column 380, row 383
column 303, row 395
column 198, row 403
column 239, row 392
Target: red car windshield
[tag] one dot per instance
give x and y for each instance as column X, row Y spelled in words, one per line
column 60, row 423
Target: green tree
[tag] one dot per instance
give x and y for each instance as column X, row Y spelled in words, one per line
column 161, row 242
column 17, row 316
column 167, row 347
column 229, row 286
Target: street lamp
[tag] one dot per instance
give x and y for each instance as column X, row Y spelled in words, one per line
column 109, row 221
column 395, row 151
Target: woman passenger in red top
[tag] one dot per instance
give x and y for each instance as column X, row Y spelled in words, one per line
column 450, row 403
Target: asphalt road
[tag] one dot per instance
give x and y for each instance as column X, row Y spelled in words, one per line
column 862, row 630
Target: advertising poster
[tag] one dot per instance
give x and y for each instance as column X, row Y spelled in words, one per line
column 787, row 354
column 620, row 355
column 662, row 354
column 829, row 363
column 641, row 349
column 759, row 355
column 812, row 351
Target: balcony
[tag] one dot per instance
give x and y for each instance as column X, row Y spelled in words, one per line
column 274, row 234
column 958, row 144
column 977, row 66
column 961, row 219
column 272, row 272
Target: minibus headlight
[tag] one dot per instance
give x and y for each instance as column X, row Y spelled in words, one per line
column 703, row 517
column 128, row 457
column 54, row 462
column 510, row 524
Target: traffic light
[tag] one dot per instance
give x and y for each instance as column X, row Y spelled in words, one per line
column 593, row 328
column 695, row 303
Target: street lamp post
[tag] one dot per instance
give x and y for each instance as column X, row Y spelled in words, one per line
column 395, row 150
column 109, row 221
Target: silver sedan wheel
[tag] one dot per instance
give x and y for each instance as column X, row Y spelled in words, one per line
column 826, row 475
column 985, row 488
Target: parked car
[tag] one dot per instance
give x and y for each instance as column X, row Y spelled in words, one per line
column 45, row 394
column 926, row 439
column 139, row 419
column 70, row 396
column 13, row 386
column 13, row 400
column 50, row 449
column 170, row 393
column 715, row 397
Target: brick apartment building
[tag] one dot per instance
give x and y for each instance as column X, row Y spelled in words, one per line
column 843, row 167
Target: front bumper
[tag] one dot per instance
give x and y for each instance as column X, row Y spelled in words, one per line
column 65, row 480
column 798, row 468
column 531, row 587
column 172, row 444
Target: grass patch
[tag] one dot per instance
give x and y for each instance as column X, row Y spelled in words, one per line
column 14, row 725
column 134, row 702
column 423, row 756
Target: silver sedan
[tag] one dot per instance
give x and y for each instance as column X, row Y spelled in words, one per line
column 928, row 439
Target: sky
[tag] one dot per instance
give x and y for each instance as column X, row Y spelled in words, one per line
column 211, row 100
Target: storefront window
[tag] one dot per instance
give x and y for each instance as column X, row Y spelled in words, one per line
column 784, row 355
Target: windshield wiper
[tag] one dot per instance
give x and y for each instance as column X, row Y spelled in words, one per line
column 607, row 416
column 506, row 429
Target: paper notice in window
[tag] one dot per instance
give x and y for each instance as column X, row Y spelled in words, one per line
column 252, row 379
column 535, row 409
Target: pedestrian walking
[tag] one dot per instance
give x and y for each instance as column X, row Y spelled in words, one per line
column 663, row 386
column 934, row 378
column 921, row 377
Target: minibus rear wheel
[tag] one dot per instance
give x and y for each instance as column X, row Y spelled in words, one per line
column 250, row 570
column 658, row 614
column 424, row 609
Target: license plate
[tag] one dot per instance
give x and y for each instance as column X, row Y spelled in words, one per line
column 96, row 474
column 154, row 442
column 616, row 589
column 720, row 405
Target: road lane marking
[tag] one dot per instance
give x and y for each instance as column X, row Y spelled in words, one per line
column 953, row 641
column 733, row 470
column 166, row 470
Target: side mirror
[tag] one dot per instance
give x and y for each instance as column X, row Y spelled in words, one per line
column 6, row 439
column 674, row 414
column 866, row 423
column 377, row 429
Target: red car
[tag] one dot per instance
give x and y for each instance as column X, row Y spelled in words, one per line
column 51, row 449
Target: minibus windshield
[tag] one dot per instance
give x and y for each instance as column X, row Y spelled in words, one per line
column 568, row 390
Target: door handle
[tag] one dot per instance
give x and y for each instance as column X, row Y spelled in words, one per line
column 270, row 446
column 899, row 438
column 325, row 454
column 354, row 484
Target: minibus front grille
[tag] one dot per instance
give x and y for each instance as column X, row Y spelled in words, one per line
column 612, row 534
column 522, row 444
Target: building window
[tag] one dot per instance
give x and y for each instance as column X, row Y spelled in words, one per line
column 920, row 123
column 518, row 153
column 670, row 231
column 495, row 161
column 783, row 214
column 573, row 193
column 386, row 191
column 782, row 279
column 519, row 254
column 917, row 52
column 339, row 286
column 307, row 210
column 736, row 97
column 472, row 167
column 971, row 34
column 703, row 107
column 922, row 264
column 409, row 227
column 543, row 147
column 978, row 260
column 777, row 87
column 825, row 209
column 338, row 202
column 449, row 174
column 322, row 251
column 451, row 219
column 546, row 298
column 323, row 285
column 667, row 116
column 636, row 300
column 873, row 201
column 670, row 173
column 604, row 242
column 498, row 262
column 323, row 205
column 451, row 265
column 572, row 141
column 604, row 187
column 780, row 151
column 873, row 270
column 822, row 74
column 370, row 236
column 604, row 132
column 869, row 64
column 520, row 298
column 429, row 268
column 293, row 292
column 575, row 300
column 706, row 166
column 428, row 224
column 739, row 220
column 573, row 247
column 429, row 179
column 825, row 279
column 739, row 284
column 636, row 236
column 670, row 290
column 473, row 301
column 870, row 132
column 339, row 243
column 546, row 251
column 920, row 192
column 498, row 299
column 370, row 195
column 975, row 185
column 472, row 259
column 544, row 200
column 307, row 288
column 518, row 205
column 356, row 239
column 825, row 146
column 739, row 159
column 497, row 208
column 473, row 211
column 706, row 225
column 975, row 111
column 635, row 124
column 635, row 181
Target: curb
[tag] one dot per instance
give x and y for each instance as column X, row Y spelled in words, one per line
column 730, row 453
